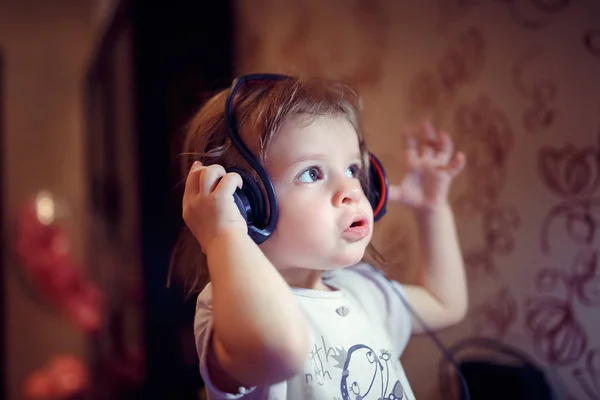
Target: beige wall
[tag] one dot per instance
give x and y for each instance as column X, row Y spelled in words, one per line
column 45, row 46
column 514, row 84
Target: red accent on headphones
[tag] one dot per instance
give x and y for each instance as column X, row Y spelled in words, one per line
column 378, row 190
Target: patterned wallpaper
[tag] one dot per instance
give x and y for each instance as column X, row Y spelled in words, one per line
column 517, row 83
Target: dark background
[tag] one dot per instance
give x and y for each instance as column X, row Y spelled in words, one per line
column 180, row 50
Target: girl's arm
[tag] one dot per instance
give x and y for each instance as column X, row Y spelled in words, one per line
column 260, row 334
column 440, row 298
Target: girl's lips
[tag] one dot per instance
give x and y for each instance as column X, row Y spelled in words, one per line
column 358, row 229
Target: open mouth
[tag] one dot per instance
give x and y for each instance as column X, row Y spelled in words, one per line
column 360, row 222
column 357, row 230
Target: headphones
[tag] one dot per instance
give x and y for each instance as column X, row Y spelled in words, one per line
column 250, row 199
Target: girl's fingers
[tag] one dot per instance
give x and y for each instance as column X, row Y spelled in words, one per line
column 192, row 182
column 210, row 177
column 228, row 184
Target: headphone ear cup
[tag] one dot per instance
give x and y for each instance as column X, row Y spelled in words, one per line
column 249, row 199
column 378, row 188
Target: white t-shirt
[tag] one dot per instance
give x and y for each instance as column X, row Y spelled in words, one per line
column 357, row 335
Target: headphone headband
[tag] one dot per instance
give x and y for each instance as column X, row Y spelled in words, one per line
column 232, row 129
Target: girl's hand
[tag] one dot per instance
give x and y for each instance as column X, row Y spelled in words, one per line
column 209, row 210
column 432, row 165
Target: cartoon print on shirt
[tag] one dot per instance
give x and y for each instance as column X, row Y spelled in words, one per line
column 372, row 380
column 365, row 375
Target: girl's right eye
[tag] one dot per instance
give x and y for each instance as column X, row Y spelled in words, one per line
column 312, row 174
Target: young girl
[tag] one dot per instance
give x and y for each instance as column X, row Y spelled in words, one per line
column 299, row 315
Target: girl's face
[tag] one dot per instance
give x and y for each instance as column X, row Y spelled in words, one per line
column 325, row 220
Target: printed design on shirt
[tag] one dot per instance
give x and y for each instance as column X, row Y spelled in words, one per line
column 366, row 376
column 365, row 373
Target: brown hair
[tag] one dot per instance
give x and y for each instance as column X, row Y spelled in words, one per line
column 260, row 109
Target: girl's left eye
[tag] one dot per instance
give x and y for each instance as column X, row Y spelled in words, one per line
column 353, row 171
column 312, row 174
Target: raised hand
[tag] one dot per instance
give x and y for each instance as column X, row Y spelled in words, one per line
column 208, row 206
column 432, row 165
